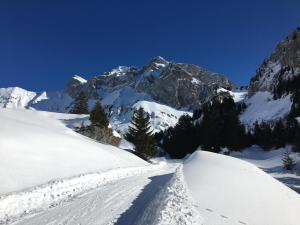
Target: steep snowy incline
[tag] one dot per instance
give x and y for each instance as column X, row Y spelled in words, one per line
column 230, row 191
column 36, row 147
column 262, row 107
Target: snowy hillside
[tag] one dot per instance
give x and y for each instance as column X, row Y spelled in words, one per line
column 229, row 191
column 262, row 107
column 271, row 163
column 36, row 147
column 15, row 97
column 161, row 116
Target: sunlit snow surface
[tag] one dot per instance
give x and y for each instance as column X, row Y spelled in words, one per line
column 36, row 147
column 262, row 107
column 227, row 190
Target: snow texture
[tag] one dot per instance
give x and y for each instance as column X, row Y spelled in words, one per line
column 37, row 147
column 262, row 107
column 227, row 190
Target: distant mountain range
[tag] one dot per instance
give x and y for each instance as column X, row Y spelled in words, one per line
column 167, row 90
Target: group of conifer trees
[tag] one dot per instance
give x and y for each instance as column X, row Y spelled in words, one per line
column 139, row 132
column 212, row 128
column 217, row 126
column 98, row 116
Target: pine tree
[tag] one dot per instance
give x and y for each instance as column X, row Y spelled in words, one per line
column 279, row 134
column 98, row 116
column 288, row 162
column 140, row 134
column 80, row 104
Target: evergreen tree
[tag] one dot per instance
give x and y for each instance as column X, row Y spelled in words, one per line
column 279, row 134
column 181, row 139
column 80, row 104
column 98, row 116
column 262, row 135
column 140, row 134
column 288, row 162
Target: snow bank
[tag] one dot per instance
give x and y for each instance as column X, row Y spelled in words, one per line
column 36, row 147
column 230, row 191
column 262, row 107
column 271, row 163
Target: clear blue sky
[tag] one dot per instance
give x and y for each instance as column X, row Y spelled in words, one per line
column 43, row 43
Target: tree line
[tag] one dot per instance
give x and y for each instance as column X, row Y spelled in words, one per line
column 217, row 126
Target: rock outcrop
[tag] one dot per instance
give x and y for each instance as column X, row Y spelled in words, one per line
column 284, row 62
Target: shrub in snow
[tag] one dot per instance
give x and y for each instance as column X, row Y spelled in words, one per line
column 288, row 162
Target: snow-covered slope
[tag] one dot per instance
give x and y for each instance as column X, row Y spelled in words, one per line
column 227, row 190
column 161, row 116
column 36, row 147
column 237, row 95
column 271, row 163
column 262, row 107
column 15, row 97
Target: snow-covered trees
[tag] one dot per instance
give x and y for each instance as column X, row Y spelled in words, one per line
column 98, row 116
column 80, row 105
column 140, row 134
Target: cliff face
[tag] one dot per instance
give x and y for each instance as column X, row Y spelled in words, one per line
column 284, row 62
column 174, row 84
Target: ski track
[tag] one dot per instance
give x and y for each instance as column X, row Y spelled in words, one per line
column 153, row 196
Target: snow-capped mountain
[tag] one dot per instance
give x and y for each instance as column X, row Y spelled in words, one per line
column 284, row 62
column 165, row 89
column 282, row 65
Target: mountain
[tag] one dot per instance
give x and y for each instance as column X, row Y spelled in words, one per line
column 284, row 62
column 167, row 89
column 272, row 88
column 177, row 85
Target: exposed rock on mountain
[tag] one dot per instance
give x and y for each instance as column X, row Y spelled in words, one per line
column 174, row 84
column 167, row 89
column 284, row 62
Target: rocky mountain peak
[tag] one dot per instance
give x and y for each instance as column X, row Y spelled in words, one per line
column 284, row 61
column 174, row 84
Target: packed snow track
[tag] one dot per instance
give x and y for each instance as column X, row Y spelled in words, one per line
column 139, row 198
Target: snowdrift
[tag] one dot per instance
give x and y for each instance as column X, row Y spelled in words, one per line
column 227, row 190
column 36, row 147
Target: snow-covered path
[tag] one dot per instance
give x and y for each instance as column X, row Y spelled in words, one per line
column 124, row 201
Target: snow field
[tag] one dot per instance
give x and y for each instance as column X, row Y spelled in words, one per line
column 230, row 191
column 37, row 147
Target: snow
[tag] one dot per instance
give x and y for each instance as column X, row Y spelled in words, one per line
column 119, row 71
column 271, row 163
column 195, row 81
column 15, row 97
column 80, row 79
column 37, row 147
column 237, row 95
column 262, row 107
column 227, row 190
column 117, row 197
column 161, row 116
